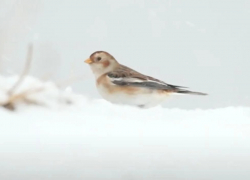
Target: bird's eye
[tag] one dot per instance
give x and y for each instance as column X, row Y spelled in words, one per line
column 99, row 58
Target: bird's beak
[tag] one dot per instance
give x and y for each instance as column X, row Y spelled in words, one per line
column 88, row 61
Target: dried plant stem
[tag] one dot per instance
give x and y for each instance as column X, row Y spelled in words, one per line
column 9, row 104
column 25, row 71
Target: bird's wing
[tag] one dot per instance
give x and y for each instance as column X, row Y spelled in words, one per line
column 124, row 76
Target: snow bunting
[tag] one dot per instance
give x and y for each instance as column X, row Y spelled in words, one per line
column 122, row 85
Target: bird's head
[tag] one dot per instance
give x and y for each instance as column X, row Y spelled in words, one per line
column 101, row 62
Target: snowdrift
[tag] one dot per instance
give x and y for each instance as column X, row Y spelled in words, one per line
column 57, row 134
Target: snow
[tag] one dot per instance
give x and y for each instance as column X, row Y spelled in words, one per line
column 70, row 136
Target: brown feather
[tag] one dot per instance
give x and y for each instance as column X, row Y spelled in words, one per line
column 94, row 53
column 108, row 85
column 105, row 63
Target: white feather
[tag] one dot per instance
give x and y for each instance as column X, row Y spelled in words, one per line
column 126, row 79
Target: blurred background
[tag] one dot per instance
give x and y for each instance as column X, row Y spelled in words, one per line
column 201, row 44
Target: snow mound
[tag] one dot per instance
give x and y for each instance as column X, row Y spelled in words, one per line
column 72, row 137
column 41, row 93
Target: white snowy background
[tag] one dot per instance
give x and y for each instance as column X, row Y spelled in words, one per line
column 73, row 134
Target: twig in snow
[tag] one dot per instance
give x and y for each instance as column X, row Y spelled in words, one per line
column 25, row 71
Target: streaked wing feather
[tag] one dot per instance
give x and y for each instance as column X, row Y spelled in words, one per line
column 125, row 76
column 152, row 85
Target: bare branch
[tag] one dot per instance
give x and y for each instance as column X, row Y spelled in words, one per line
column 23, row 96
column 25, row 70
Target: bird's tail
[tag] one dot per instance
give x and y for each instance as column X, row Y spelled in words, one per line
column 180, row 91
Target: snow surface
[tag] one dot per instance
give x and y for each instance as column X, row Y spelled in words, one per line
column 72, row 137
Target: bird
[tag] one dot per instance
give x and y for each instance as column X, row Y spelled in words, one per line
column 120, row 84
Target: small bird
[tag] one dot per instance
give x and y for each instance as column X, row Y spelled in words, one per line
column 120, row 84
